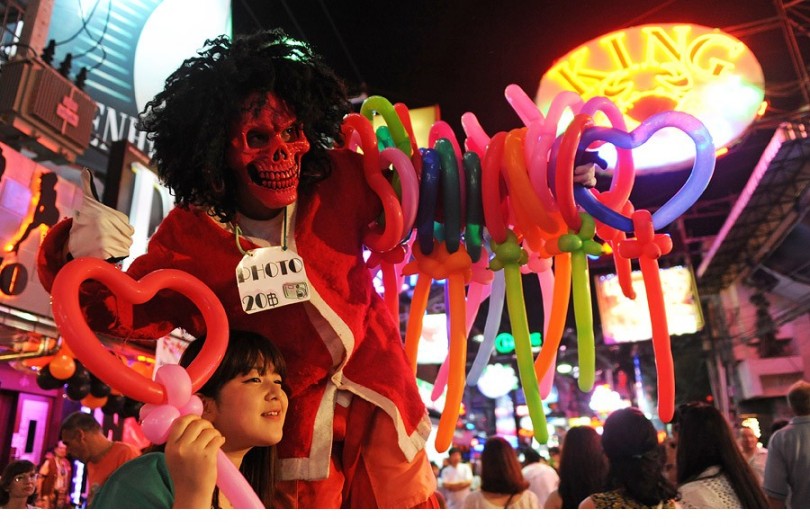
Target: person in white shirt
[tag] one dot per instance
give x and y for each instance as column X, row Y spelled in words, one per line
column 456, row 479
column 753, row 453
column 543, row 480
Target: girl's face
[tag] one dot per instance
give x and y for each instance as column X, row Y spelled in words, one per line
column 23, row 485
column 250, row 410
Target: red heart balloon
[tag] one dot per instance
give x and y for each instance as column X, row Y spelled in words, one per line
column 106, row 366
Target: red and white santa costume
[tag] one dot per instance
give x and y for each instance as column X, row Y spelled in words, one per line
column 356, row 426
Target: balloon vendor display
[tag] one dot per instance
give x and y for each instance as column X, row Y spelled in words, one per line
column 646, row 246
column 476, row 219
column 170, row 395
column 520, row 186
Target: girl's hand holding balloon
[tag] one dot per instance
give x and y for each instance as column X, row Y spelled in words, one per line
column 191, row 457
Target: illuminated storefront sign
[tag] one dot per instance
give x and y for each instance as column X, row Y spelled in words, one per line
column 650, row 69
column 32, row 200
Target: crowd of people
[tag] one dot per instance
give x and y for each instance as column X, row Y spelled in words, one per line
column 703, row 464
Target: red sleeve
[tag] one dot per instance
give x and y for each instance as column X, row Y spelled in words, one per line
column 104, row 312
column 49, row 257
column 349, row 187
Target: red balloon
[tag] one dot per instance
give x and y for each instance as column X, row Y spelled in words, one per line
column 106, row 366
column 62, row 366
column 144, row 368
column 66, row 350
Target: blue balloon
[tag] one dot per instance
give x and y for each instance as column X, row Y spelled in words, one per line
column 428, row 194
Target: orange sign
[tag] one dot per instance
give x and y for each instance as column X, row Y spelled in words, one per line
column 646, row 70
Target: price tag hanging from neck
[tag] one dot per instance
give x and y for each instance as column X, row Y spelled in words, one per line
column 270, row 277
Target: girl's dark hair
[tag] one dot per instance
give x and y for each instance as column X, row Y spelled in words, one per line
column 191, row 119
column 583, row 466
column 630, row 442
column 705, row 439
column 245, row 352
column 13, row 469
column 500, row 468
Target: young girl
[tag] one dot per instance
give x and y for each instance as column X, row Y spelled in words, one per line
column 18, row 485
column 244, row 410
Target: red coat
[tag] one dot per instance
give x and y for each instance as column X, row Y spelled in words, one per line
column 366, row 358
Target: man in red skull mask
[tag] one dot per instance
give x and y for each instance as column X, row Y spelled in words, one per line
column 245, row 136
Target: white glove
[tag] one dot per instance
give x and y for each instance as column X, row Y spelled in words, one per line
column 585, row 175
column 98, row 230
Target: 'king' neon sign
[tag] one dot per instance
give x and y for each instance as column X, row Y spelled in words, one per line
column 649, row 69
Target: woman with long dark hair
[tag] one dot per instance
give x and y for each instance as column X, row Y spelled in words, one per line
column 583, row 469
column 712, row 473
column 18, row 485
column 244, row 407
column 502, row 483
column 636, row 477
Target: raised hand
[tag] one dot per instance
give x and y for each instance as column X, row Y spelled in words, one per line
column 98, row 230
column 585, row 175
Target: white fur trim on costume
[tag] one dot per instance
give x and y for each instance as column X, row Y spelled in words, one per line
column 409, row 444
column 316, row 466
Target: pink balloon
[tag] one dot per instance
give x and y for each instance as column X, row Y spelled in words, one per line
column 194, row 406
column 409, row 182
column 176, row 382
column 478, row 291
column 234, row 485
column 441, row 379
column 522, row 104
column 157, row 422
column 621, row 184
column 539, row 140
column 146, row 409
column 477, row 139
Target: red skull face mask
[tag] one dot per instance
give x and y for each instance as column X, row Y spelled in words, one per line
column 265, row 151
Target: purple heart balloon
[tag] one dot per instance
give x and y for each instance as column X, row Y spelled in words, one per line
column 679, row 203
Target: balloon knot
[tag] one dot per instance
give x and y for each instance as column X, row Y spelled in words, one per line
column 582, row 240
column 647, row 243
column 508, row 252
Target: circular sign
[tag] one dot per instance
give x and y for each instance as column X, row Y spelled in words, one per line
column 650, row 69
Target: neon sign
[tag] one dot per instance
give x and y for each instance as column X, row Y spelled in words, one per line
column 645, row 70
column 505, row 342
